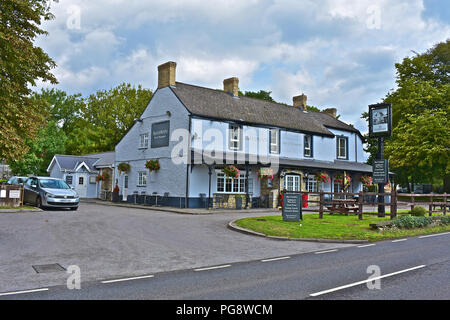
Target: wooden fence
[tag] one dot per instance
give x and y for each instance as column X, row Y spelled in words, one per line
column 11, row 195
column 350, row 202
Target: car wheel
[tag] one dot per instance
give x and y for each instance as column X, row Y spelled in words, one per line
column 39, row 203
column 74, row 208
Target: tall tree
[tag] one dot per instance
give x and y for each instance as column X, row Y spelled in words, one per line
column 21, row 65
column 420, row 102
column 106, row 117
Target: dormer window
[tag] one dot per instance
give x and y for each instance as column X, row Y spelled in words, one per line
column 342, row 148
column 308, row 149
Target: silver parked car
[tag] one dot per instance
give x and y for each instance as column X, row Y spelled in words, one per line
column 17, row 180
column 50, row 192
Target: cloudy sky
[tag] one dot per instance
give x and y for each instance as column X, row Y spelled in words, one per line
column 339, row 53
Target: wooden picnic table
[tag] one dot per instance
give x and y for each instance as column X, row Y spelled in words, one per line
column 342, row 206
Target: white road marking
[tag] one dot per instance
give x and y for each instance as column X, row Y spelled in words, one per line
column 24, row 291
column 399, row 240
column 128, row 279
column 366, row 245
column 364, row 281
column 212, row 268
column 275, row 259
column 320, row 252
column 434, row 235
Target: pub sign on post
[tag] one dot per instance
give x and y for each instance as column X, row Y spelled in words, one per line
column 292, row 207
column 380, row 120
column 380, row 174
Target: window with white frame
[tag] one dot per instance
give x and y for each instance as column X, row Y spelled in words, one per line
column 274, row 140
column 292, row 182
column 307, row 151
column 142, row 179
column 144, row 141
column 69, row 180
column 342, row 147
column 229, row 185
column 234, row 141
column 312, row 184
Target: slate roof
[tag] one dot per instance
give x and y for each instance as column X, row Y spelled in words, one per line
column 217, row 104
column 93, row 161
column 106, row 159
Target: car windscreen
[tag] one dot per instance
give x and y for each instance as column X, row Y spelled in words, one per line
column 53, row 184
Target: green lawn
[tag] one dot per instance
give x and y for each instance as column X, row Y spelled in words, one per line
column 330, row 227
column 16, row 208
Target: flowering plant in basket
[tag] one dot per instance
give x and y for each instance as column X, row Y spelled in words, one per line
column 101, row 177
column 265, row 173
column 231, row 171
column 340, row 178
column 152, row 165
column 366, row 180
column 123, row 167
column 323, row 177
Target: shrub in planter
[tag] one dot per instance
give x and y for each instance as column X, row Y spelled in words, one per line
column 418, row 212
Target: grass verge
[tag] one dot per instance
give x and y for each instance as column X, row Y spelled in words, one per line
column 335, row 226
column 15, row 208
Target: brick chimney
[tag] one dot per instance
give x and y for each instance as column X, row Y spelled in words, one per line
column 300, row 101
column 166, row 74
column 231, row 86
column 331, row 111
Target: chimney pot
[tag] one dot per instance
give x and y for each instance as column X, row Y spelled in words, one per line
column 300, row 101
column 231, row 85
column 166, row 74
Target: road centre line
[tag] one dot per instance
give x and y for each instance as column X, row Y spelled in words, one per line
column 399, row 240
column 275, row 259
column 367, row 245
column 434, row 235
column 23, row 291
column 365, row 281
column 320, row 252
column 212, row 268
column 128, row 279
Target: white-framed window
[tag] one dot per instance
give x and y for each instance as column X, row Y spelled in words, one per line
column 92, row 180
column 342, row 147
column 142, row 178
column 143, row 141
column 69, row 180
column 234, row 140
column 292, row 182
column 125, row 181
column 307, row 150
column 81, row 181
column 312, row 185
column 274, row 135
column 229, row 185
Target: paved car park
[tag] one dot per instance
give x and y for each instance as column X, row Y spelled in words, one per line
column 108, row 242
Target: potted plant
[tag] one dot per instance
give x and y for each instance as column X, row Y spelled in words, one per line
column 231, row 171
column 123, row 167
column 153, row 165
column 115, row 194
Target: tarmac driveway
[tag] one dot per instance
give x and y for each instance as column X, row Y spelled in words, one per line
column 109, row 242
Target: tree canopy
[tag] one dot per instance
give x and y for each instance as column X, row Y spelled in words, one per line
column 21, row 65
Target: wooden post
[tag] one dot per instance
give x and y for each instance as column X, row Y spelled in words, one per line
column 430, row 206
column 445, row 203
column 321, row 199
column 393, row 204
column 360, row 205
column 412, row 200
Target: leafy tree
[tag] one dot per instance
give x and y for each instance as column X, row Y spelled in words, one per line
column 420, row 102
column 21, row 65
column 50, row 141
column 261, row 94
column 105, row 118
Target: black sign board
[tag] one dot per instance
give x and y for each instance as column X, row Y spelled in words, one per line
column 160, row 134
column 380, row 120
column 292, row 206
column 380, row 171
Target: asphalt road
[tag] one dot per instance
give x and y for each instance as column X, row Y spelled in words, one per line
column 412, row 268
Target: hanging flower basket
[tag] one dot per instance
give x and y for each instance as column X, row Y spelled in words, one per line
column 123, row 167
column 323, row 177
column 231, row 171
column 265, row 173
column 101, row 177
column 366, row 180
column 340, row 179
column 152, row 165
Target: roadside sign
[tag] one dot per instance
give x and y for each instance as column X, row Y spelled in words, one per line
column 292, row 207
column 380, row 172
column 14, row 194
column 380, row 120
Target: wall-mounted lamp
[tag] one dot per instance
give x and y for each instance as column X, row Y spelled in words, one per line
column 168, row 113
column 138, row 120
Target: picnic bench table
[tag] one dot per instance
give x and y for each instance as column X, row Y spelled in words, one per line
column 342, row 206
